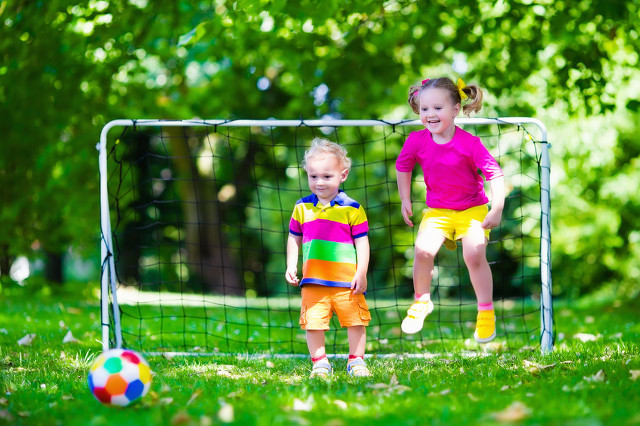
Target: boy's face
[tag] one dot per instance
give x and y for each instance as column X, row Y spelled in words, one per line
column 325, row 174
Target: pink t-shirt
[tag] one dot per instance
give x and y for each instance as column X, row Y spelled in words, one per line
column 451, row 169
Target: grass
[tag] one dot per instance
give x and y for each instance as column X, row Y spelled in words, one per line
column 590, row 378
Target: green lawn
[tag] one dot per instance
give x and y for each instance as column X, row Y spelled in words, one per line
column 592, row 376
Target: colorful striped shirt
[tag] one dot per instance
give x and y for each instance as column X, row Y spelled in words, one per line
column 328, row 234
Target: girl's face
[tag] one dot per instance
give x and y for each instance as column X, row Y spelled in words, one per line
column 438, row 112
column 325, row 174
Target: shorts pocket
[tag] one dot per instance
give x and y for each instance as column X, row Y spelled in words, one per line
column 303, row 316
column 363, row 309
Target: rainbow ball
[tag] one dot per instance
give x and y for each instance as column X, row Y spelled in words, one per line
column 119, row 377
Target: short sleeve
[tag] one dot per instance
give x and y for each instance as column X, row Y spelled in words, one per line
column 407, row 158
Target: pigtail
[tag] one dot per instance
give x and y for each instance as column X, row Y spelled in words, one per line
column 413, row 100
column 474, row 95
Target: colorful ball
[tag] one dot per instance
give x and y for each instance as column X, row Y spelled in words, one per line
column 119, row 377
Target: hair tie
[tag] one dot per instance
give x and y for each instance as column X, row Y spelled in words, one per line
column 460, row 84
column 424, row 81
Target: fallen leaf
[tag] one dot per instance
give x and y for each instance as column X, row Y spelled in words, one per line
column 340, row 403
column 599, row 377
column 165, row 401
column 270, row 364
column 634, row 374
column 299, row 405
column 26, row 340
column 68, row 338
column 6, row 415
column 181, row 418
column 472, row 397
column 394, row 380
column 584, row 337
column 194, row 395
column 513, row 413
column 225, row 414
column 205, row 421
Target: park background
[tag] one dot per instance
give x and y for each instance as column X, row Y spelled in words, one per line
column 67, row 68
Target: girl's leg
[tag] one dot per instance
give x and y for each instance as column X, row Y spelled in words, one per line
column 428, row 243
column 474, row 249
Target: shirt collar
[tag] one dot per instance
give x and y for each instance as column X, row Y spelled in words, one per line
column 339, row 199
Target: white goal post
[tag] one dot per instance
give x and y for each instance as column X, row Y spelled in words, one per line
column 110, row 313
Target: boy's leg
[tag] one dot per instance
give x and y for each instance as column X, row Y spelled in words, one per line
column 356, row 365
column 357, row 340
column 316, row 345
column 315, row 314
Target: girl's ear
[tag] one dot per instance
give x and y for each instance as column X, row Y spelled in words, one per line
column 456, row 109
column 344, row 175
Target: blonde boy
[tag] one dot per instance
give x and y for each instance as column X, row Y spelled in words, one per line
column 331, row 229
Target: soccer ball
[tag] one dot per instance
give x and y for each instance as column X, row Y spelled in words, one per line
column 119, row 377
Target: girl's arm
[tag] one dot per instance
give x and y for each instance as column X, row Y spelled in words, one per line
column 494, row 216
column 404, row 189
column 359, row 282
column 293, row 249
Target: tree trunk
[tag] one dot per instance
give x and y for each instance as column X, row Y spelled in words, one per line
column 207, row 251
column 53, row 268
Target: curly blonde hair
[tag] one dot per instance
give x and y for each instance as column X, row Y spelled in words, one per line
column 321, row 146
column 473, row 92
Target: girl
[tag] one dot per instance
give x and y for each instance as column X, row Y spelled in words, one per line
column 457, row 204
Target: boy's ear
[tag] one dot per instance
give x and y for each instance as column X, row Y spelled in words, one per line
column 345, row 173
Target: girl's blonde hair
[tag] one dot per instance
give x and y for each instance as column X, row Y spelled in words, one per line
column 472, row 91
column 321, row 146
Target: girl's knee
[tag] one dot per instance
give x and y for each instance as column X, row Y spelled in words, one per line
column 474, row 258
column 424, row 254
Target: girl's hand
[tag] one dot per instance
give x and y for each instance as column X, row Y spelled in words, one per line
column 407, row 212
column 359, row 284
column 492, row 220
column 292, row 276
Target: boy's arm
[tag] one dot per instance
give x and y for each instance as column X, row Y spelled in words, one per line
column 404, row 190
column 359, row 282
column 293, row 249
column 494, row 216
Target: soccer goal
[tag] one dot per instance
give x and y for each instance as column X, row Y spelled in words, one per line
column 194, row 222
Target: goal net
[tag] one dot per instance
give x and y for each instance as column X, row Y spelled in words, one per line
column 194, row 223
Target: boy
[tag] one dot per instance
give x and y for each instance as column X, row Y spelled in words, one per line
column 332, row 230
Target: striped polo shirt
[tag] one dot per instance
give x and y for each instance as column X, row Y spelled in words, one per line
column 328, row 234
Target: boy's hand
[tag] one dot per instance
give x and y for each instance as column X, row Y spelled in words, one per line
column 492, row 219
column 359, row 284
column 292, row 276
column 407, row 212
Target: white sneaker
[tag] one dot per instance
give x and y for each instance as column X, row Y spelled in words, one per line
column 415, row 316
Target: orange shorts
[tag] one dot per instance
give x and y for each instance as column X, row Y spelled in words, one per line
column 319, row 302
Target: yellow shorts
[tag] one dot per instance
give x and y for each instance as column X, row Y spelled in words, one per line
column 319, row 302
column 454, row 224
